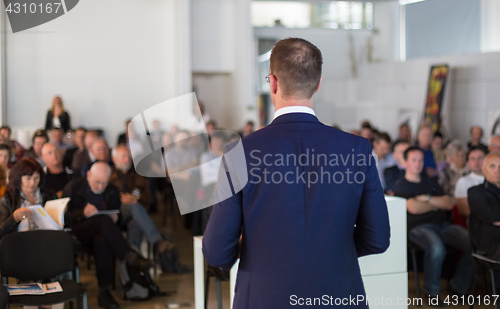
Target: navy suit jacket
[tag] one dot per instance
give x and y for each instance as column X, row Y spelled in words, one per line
column 301, row 235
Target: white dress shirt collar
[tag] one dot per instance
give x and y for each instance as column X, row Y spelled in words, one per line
column 293, row 109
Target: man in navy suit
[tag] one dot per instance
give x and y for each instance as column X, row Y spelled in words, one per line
column 312, row 205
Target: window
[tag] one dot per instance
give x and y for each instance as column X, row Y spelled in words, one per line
column 326, row 14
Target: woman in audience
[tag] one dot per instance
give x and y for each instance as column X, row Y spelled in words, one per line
column 455, row 155
column 57, row 117
column 448, row 177
column 22, row 191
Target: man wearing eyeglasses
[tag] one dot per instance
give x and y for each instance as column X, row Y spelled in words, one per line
column 303, row 220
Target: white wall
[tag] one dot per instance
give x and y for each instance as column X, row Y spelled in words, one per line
column 223, row 60
column 443, row 27
column 384, row 90
column 108, row 61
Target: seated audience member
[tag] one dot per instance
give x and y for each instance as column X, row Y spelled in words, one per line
column 156, row 132
column 381, row 149
column 438, row 151
column 135, row 193
column 123, row 137
column 366, row 130
column 5, row 155
column 405, row 133
column 77, row 145
column 56, row 176
column 428, row 226
column 22, row 191
column 35, row 152
column 101, row 153
column 57, row 116
column 4, row 167
column 476, row 135
column 57, row 138
column 84, row 156
column 494, row 144
column 211, row 125
column 248, row 129
column 456, row 158
column 484, row 201
column 134, row 143
column 397, row 171
column 181, row 156
column 484, row 218
column 475, row 159
column 17, row 149
column 88, row 195
column 209, row 172
column 424, row 141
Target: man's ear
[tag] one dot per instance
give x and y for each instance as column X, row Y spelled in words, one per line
column 274, row 84
column 319, row 84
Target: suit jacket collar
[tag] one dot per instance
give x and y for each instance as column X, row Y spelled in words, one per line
column 295, row 117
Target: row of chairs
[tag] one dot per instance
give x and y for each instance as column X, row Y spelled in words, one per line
column 482, row 261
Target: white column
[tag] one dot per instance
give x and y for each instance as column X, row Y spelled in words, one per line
column 244, row 74
column 490, row 25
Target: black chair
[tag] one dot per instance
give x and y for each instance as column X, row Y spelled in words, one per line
column 41, row 255
column 220, row 275
column 491, row 266
column 449, row 264
column 4, row 296
column 413, row 252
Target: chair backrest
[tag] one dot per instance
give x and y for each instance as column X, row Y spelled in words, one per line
column 36, row 255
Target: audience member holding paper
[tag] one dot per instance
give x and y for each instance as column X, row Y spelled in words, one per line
column 88, row 197
column 22, row 191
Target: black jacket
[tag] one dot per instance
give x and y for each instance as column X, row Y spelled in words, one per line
column 76, row 191
column 7, row 222
column 484, row 203
column 64, row 119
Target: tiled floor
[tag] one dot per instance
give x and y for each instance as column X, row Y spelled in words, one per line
column 183, row 285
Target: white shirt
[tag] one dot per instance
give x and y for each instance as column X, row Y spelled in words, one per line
column 466, row 182
column 293, row 109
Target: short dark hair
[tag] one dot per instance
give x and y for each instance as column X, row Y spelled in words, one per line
column 383, row 136
column 475, row 148
column 438, row 134
column 5, row 127
column 8, row 148
column 413, row 148
column 250, row 122
column 399, row 142
column 39, row 133
column 296, row 64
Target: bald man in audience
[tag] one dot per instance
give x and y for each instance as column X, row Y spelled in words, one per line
column 484, row 218
column 84, row 155
column 476, row 135
column 89, row 195
column 494, row 144
column 134, row 194
column 56, row 175
column 484, row 202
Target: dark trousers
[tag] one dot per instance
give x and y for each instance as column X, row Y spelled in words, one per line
column 106, row 240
